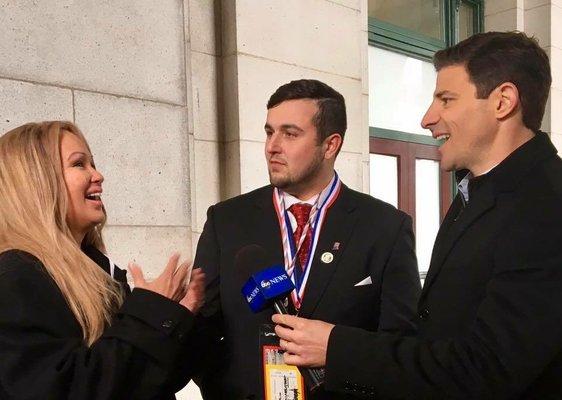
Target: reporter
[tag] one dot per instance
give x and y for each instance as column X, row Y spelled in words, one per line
column 69, row 326
column 490, row 311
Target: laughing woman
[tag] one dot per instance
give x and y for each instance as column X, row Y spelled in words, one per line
column 69, row 328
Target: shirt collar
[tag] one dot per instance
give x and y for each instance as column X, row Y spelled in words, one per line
column 290, row 199
column 463, row 185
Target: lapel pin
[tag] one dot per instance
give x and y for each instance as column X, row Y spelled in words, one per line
column 327, row 257
column 336, row 246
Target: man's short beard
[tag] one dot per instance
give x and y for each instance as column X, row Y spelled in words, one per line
column 286, row 183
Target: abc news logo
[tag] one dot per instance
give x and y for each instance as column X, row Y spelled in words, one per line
column 278, row 279
column 266, row 284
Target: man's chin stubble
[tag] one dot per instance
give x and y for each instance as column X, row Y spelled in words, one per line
column 281, row 183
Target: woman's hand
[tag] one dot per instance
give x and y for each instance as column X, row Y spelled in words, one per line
column 195, row 296
column 170, row 283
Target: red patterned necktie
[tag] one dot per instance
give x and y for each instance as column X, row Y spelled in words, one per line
column 301, row 213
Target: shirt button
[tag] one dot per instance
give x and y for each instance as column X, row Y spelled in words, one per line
column 167, row 324
column 424, row 314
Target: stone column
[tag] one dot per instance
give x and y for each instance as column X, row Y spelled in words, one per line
column 206, row 133
column 504, row 15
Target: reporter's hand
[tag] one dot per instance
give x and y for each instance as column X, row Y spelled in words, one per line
column 170, row 283
column 195, row 296
column 305, row 341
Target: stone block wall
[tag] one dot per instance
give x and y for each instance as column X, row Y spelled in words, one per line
column 118, row 70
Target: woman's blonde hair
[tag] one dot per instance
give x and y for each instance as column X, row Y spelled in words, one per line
column 33, row 211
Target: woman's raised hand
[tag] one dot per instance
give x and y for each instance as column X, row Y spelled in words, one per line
column 195, row 296
column 171, row 283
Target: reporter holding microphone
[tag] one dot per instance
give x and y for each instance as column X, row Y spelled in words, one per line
column 69, row 326
column 490, row 312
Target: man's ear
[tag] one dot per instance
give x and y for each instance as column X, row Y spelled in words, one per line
column 507, row 100
column 332, row 145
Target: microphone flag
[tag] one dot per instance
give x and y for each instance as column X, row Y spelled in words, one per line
column 266, row 286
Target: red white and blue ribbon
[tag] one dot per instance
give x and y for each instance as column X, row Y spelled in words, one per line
column 315, row 221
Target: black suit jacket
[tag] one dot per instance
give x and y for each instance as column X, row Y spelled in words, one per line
column 375, row 239
column 42, row 353
column 490, row 314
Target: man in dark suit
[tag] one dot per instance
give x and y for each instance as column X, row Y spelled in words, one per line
column 490, row 313
column 356, row 258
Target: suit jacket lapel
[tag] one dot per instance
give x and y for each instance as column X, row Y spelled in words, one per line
column 447, row 239
column 450, row 218
column 263, row 227
column 337, row 228
column 505, row 178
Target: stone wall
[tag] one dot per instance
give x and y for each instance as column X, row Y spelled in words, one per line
column 118, row 70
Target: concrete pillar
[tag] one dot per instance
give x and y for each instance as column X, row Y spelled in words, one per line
column 504, row 15
column 206, row 133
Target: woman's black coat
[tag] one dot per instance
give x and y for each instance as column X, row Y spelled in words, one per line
column 43, row 355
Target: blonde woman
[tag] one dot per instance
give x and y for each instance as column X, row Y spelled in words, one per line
column 68, row 328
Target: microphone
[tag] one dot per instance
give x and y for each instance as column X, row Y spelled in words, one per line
column 269, row 287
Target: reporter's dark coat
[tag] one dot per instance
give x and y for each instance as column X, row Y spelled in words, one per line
column 490, row 313
column 42, row 353
column 367, row 238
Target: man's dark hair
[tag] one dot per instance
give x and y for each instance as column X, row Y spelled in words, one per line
column 493, row 58
column 331, row 116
